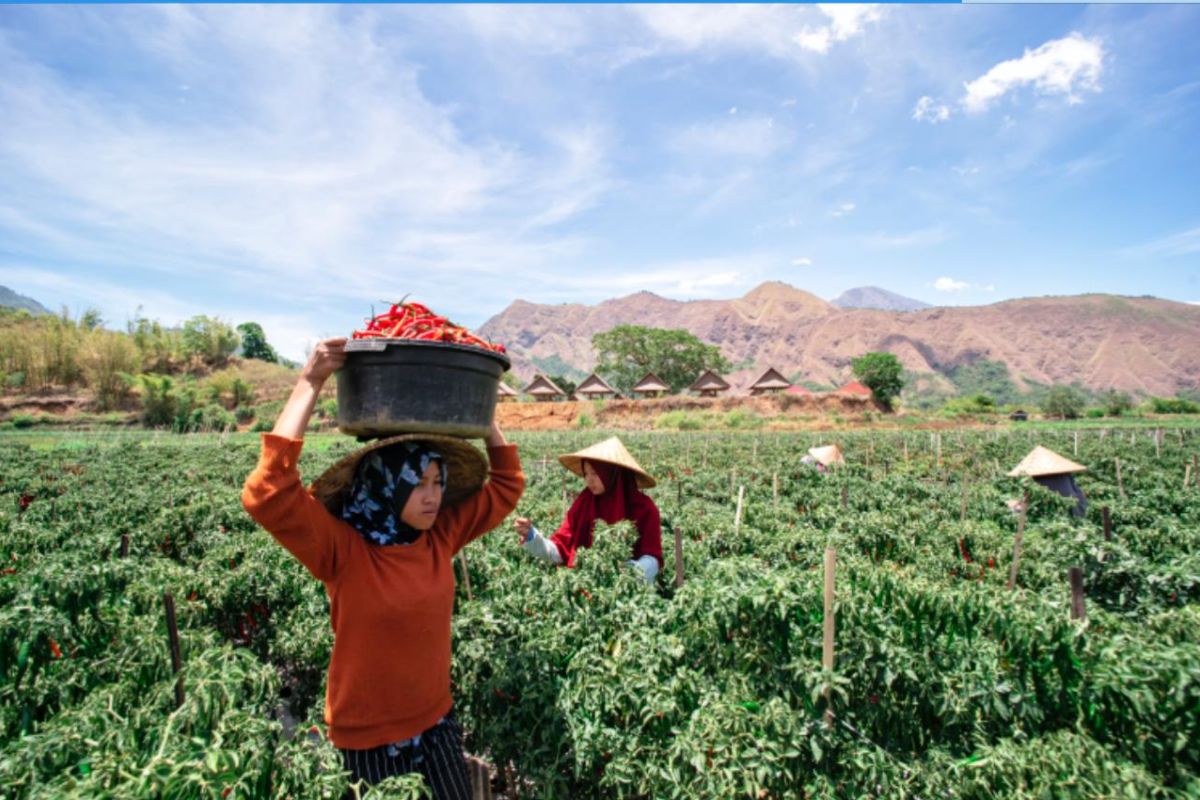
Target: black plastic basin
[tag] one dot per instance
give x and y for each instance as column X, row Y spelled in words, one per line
column 392, row 386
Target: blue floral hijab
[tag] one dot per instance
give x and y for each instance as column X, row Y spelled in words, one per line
column 383, row 482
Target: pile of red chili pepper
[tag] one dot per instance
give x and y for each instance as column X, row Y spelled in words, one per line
column 415, row 321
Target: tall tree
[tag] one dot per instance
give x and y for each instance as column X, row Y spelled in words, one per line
column 254, row 343
column 882, row 374
column 209, row 339
column 627, row 352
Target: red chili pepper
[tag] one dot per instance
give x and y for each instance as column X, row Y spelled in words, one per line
column 55, row 649
column 8, row 571
column 25, row 501
column 416, row 321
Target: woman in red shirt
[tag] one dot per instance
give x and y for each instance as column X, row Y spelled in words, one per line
column 380, row 529
column 614, row 482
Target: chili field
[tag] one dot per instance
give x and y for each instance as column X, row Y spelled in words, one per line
column 945, row 683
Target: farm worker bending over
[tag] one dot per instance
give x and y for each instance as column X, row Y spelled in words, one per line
column 614, row 492
column 379, row 529
column 823, row 458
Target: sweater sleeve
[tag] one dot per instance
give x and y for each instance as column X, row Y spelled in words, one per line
column 487, row 508
column 274, row 496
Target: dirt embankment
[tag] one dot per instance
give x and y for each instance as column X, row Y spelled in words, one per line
column 783, row 410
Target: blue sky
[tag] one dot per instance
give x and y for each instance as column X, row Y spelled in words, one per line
column 294, row 165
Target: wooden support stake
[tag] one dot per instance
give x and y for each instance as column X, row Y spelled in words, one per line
column 124, row 545
column 906, row 451
column 1187, row 475
column 1120, row 483
column 845, row 498
column 962, row 506
column 173, row 638
column 737, row 519
column 827, row 648
column 1077, row 444
column 1195, row 471
column 1158, row 443
column 1078, row 609
column 678, row 558
column 1017, row 540
column 1107, row 519
column 462, row 559
column 679, row 494
column 939, row 450
column 775, row 490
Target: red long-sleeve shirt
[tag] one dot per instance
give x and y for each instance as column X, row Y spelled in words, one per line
column 390, row 607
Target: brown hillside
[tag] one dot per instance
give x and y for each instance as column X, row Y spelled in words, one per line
column 1142, row 344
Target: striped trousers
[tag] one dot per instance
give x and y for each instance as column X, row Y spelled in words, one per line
column 437, row 756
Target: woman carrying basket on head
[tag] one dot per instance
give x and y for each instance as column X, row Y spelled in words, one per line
column 380, row 529
column 613, row 493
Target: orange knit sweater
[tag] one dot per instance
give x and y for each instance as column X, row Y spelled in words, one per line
column 390, row 607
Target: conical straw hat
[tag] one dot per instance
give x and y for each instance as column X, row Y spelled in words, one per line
column 828, row 455
column 610, row 451
column 1044, row 461
column 466, row 469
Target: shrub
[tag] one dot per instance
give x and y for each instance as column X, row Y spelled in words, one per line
column 1173, row 405
column 14, row 380
column 158, row 400
column 243, row 414
column 1064, row 402
column 328, row 408
column 975, row 404
column 1095, row 413
column 209, row 418
column 23, row 421
column 740, row 419
column 1116, row 403
column 108, row 359
column 678, row 420
column 584, row 421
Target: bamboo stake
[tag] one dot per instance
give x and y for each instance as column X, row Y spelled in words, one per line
column 906, row 451
column 737, row 519
column 1158, row 443
column 462, row 559
column 1120, row 483
column 1077, row 444
column 827, row 648
column 1106, row 517
column 1017, row 540
column 173, row 639
column 1078, row 608
column 124, row 545
column 1187, row 475
column 775, row 490
column 678, row 558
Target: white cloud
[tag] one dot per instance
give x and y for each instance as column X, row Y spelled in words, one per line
column 802, row 262
column 845, row 22
column 782, row 31
column 947, row 284
column 314, row 168
column 1064, row 66
column 753, row 137
column 1179, row 244
column 843, row 209
column 926, row 110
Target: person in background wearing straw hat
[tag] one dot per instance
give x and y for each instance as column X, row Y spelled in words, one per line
column 823, row 458
column 380, row 529
column 614, row 483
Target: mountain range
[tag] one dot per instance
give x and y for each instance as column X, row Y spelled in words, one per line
column 1143, row 345
column 10, row 299
column 874, row 297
